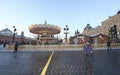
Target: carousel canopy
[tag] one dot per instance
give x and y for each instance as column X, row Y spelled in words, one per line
column 44, row 29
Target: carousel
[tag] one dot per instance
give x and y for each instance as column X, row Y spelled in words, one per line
column 46, row 32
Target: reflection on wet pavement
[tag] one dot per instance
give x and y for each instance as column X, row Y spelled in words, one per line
column 88, row 65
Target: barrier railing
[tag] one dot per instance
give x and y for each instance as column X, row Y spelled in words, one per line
column 59, row 47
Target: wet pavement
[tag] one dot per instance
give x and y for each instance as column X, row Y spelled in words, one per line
column 22, row 63
column 101, row 62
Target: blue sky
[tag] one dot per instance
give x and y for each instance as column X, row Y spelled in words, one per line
column 74, row 13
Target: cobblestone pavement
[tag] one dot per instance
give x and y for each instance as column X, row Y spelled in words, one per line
column 22, row 63
column 101, row 62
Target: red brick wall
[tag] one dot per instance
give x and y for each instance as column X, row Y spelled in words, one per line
column 10, row 39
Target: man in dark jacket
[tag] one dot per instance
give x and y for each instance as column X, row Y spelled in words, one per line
column 108, row 45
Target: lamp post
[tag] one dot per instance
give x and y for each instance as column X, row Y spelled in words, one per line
column 66, row 32
column 14, row 33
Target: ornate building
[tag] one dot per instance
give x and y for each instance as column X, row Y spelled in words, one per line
column 105, row 27
column 110, row 22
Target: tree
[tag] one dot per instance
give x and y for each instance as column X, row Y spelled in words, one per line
column 113, row 31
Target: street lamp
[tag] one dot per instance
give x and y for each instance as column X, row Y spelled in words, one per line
column 66, row 31
column 14, row 33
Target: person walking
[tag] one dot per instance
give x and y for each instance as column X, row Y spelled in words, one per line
column 108, row 45
column 15, row 47
column 4, row 45
column 87, row 48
